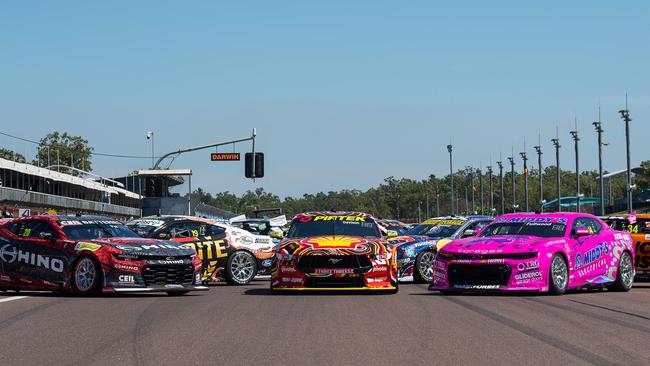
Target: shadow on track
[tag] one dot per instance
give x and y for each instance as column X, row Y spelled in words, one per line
column 267, row 292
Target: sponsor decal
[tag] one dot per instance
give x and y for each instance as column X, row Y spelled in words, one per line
column 477, row 287
column 247, row 240
column 10, row 254
column 333, row 270
column 559, row 220
column 147, row 247
column 445, row 222
column 173, row 286
column 526, row 277
column 122, row 267
column 526, row 266
column 87, row 246
column 126, row 279
column 89, row 222
column 288, row 269
column 176, row 261
column 267, row 263
column 585, row 259
column 375, row 280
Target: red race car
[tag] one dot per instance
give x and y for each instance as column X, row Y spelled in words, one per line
column 91, row 254
column 334, row 251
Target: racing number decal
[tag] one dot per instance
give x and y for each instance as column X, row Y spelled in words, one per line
column 632, row 229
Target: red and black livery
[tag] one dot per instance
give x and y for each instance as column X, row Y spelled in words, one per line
column 92, row 254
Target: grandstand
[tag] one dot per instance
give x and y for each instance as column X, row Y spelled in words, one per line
column 41, row 190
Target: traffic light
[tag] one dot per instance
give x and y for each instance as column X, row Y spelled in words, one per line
column 258, row 170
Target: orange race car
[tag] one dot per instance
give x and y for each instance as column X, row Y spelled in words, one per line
column 640, row 230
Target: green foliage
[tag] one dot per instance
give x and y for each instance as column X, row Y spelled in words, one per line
column 11, row 155
column 400, row 198
column 65, row 149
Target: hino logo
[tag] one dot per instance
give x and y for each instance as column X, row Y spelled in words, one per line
column 10, row 254
column 335, row 260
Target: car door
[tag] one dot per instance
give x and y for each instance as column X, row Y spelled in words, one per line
column 591, row 252
column 40, row 260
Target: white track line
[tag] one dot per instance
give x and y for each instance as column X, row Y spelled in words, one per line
column 13, row 298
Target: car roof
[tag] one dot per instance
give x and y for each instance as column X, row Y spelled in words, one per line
column 335, row 213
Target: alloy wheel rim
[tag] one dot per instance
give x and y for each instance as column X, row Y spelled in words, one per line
column 426, row 266
column 242, row 267
column 559, row 273
column 626, row 270
column 85, row 274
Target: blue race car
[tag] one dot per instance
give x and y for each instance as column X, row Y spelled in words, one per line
column 417, row 248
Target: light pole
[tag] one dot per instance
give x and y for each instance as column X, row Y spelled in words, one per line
column 574, row 135
column 150, row 137
column 625, row 115
column 556, row 143
column 512, row 175
column 503, row 201
column 480, row 182
column 450, row 148
column 489, row 170
column 538, row 149
column 599, row 129
column 524, row 157
column 471, row 179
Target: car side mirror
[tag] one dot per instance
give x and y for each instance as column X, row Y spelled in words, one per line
column 469, row 233
column 276, row 235
column 46, row 236
column 392, row 234
column 581, row 232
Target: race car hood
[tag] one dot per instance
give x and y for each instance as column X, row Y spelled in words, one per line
column 405, row 240
column 510, row 244
column 140, row 247
column 332, row 245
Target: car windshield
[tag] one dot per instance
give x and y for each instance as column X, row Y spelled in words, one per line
column 144, row 227
column 540, row 229
column 323, row 227
column 88, row 230
column 434, row 230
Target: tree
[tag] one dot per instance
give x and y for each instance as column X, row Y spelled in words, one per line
column 11, row 155
column 65, row 149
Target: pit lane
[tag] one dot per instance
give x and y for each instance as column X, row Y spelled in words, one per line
column 247, row 326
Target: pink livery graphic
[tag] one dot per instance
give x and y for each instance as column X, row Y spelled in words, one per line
column 552, row 253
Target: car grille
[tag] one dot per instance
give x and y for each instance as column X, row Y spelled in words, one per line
column 478, row 275
column 358, row 263
column 182, row 274
column 334, row 282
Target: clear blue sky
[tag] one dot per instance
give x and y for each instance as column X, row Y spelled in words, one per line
column 343, row 93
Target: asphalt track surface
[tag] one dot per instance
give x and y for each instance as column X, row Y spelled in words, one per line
column 248, row 326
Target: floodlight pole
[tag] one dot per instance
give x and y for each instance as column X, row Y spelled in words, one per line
column 598, row 126
column 450, row 149
column 524, row 157
column 489, row 170
column 625, row 115
column 538, row 149
column 512, row 174
column 574, row 135
column 556, row 143
column 502, row 197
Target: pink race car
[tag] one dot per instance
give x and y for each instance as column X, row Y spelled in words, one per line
column 537, row 252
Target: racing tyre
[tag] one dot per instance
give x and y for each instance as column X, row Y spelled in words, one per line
column 87, row 276
column 558, row 276
column 423, row 269
column 241, row 268
column 624, row 274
